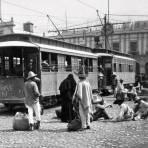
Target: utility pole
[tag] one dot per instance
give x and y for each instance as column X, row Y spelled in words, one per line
column 66, row 18
column 0, row 11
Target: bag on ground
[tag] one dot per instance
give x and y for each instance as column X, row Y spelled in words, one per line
column 74, row 125
column 20, row 122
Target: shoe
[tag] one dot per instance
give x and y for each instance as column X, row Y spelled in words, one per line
column 37, row 125
column 31, row 127
column 82, row 129
column 88, row 127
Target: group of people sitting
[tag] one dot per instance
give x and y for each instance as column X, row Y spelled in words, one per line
column 75, row 96
column 120, row 91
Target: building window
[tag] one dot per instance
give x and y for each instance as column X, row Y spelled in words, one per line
column 133, row 48
column 120, row 67
column 115, row 67
column 116, row 46
column 68, row 63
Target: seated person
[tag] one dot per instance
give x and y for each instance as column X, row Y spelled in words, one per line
column 140, row 109
column 99, row 108
column 132, row 93
column 45, row 65
column 138, row 87
column 126, row 113
column 121, row 91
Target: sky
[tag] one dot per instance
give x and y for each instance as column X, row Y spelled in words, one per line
column 70, row 13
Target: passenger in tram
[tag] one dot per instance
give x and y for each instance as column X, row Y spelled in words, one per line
column 30, row 65
column 67, row 89
column 83, row 94
column 32, row 94
column 45, row 65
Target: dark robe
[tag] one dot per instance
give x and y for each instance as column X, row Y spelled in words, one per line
column 67, row 89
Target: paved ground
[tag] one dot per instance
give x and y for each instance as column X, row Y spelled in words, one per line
column 53, row 133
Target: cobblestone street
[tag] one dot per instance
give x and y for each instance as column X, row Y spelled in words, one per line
column 53, row 133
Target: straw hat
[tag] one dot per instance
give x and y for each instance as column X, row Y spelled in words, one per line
column 31, row 74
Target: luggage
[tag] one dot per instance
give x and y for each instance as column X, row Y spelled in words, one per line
column 20, row 122
column 74, row 125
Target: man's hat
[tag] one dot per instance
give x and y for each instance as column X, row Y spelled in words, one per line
column 31, row 74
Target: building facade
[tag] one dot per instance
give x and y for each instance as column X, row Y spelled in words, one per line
column 130, row 38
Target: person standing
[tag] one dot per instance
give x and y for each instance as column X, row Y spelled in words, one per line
column 67, row 89
column 32, row 94
column 114, row 84
column 83, row 93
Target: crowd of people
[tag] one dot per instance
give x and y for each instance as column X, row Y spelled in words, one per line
column 80, row 105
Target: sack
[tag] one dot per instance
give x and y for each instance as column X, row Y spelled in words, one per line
column 20, row 122
column 58, row 113
column 74, row 125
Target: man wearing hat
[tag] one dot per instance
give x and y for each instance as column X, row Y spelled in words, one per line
column 84, row 94
column 32, row 99
column 132, row 93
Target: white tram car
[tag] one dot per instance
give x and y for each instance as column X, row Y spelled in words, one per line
column 20, row 53
column 121, row 65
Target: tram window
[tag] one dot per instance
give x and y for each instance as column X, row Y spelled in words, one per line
column 6, row 63
column 17, row 67
column 131, row 68
column 90, row 65
column 120, row 67
column 68, row 63
column 115, row 67
column 54, row 62
column 45, row 62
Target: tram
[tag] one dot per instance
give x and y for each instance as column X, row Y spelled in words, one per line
column 122, row 65
column 52, row 60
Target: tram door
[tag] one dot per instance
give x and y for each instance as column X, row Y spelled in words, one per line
column 108, row 70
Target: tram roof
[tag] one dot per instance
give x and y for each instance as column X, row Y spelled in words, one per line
column 61, row 50
column 103, row 54
column 16, row 44
column 113, row 55
column 123, row 57
column 48, row 48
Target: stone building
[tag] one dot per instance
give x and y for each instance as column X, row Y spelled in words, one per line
column 130, row 38
column 6, row 27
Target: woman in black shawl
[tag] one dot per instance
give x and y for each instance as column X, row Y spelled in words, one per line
column 67, row 89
